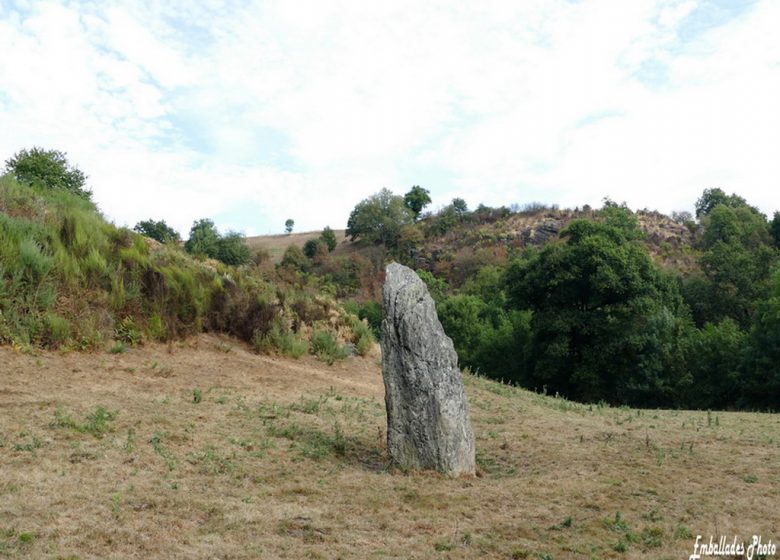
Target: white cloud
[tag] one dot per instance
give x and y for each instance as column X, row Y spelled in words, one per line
column 262, row 111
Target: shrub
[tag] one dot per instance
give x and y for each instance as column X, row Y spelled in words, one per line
column 312, row 247
column 363, row 338
column 294, row 258
column 232, row 249
column 326, row 348
column 159, row 231
column 281, row 340
column 371, row 311
column 329, row 238
column 126, row 331
column 56, row 331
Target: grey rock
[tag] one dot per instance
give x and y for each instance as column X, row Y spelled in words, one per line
column 542, row 233
column 428, row 423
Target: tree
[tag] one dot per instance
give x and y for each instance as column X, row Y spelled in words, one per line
column 204, row 239
column 460, row 207
column 159, row 231
column 682, row 217
column 288, row 225
column 736, row 261
column 232, row 249
column 49, row 169
column 761, row 373
column 774, row 229
column 417, row 199
column 379, row 218
column 715, row 356
column 314, row 246
column 711, row 198
column 329, row 238
column 605, row 320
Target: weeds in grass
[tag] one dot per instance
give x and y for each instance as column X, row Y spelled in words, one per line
column 118, row 347
column 652, row 537
column 443, row 546
column 116, row 504
column 312, row 443
column 211, row 461
column 130, row 440
column 682, row 532
column 197, row 396
column 29, row 444
column 565, row 524
column 309, row 406
column 157, row 444
column 95, row 423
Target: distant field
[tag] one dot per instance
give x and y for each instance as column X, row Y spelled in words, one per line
column 206, row 450
column 276, row 244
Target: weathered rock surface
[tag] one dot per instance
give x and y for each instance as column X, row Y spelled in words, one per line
column 428, row 423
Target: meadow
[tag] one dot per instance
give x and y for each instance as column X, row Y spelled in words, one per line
column 203, row 449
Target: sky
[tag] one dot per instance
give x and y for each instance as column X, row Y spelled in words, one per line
column 250, row 113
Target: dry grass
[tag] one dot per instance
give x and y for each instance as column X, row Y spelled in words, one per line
column 276, row 244
column 286, row 459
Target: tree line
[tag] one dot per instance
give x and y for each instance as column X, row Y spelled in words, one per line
column 593, row 318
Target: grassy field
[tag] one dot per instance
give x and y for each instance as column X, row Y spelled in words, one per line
column 206, row 450
column 276, row 244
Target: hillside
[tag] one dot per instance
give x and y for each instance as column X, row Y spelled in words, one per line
column 470, row 244
column 70, row 280
column 276, row 244
column 203, row 449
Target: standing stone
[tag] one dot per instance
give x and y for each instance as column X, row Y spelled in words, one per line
column 428, row 423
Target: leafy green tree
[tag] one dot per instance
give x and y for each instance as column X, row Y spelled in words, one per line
column 714, row 361
column 329, row 238
column 593, row 299
column 712, row 198
column 460, row 207
column 289, row 225
column 774, row 229
column 314, row 246
column 736, row 261
column 487, row 338
column 47, row 168
column 232, row 249
column 417, row 199
column 761, row 377
column 157, row 230
column 204, row 239
column 379, row 218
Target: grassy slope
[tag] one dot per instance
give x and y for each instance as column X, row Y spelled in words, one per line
column 276, row 244
column 286, row 459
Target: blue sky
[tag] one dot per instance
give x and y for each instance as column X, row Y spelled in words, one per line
column 254, row 112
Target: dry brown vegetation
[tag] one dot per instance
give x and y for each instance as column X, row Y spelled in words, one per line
column 206, row 450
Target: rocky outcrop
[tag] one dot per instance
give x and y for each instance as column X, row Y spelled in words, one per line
column 428, row 423
column 541, row 233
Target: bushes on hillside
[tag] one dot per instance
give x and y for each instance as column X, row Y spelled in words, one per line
column 48, row 169
column 206, row 241
column 70, row 280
